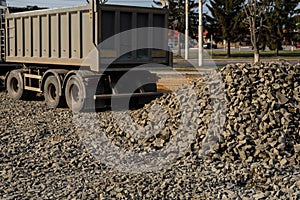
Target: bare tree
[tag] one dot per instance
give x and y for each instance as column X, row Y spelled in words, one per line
column 255, row 11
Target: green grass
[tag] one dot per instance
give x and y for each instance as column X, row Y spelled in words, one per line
column 244, row 54
column 249, row 54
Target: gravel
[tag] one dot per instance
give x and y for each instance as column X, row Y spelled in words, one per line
column 54, row 154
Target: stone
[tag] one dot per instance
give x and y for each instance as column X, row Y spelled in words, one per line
column 44, row 154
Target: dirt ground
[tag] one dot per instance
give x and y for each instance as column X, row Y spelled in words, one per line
column 173, row 83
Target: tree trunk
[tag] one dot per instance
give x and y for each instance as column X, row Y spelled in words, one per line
column 256, row 55
column 228, row 49
column 276, row 52
column 277, row 49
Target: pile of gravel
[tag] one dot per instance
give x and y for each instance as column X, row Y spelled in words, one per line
column 234, row 140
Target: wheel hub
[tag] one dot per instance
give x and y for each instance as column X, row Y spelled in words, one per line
column 52, row 92
column 15, row 85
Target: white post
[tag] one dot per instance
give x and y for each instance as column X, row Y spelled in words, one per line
column 211, row 44
column 186, row 53
column 200, row 35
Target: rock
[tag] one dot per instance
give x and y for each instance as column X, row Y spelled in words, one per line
column 297, row 148
column 45, row 154
column 260, row 195
column 281, row 98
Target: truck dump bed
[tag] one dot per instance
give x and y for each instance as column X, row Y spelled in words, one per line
column 65, row 36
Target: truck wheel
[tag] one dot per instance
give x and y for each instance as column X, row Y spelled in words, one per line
column 51, row 93
column 14, row 86
column 74, row 93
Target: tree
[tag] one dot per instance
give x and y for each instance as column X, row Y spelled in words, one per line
column 177, row 19
column 227, row 17
column 255, row 11
column 279, row 17
column 294, row 33
column 177, row 13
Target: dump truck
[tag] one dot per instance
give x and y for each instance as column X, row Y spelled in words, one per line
column 48, row 51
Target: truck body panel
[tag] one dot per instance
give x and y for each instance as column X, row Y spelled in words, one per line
column 65, row 36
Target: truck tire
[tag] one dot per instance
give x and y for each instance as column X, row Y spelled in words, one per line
column 51, row 93
column 14, row 85
column 74, row 93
